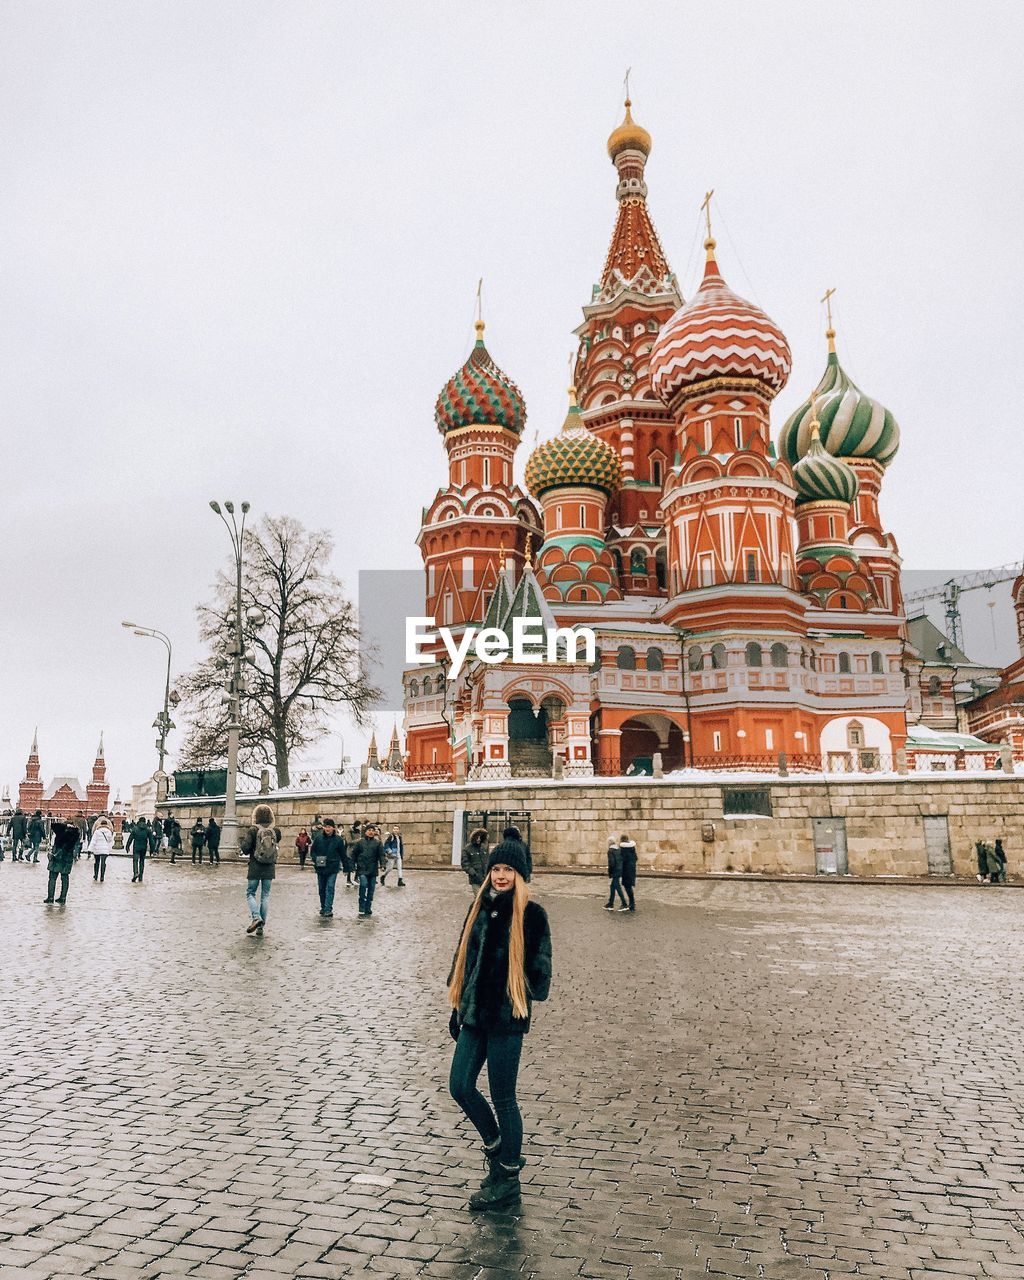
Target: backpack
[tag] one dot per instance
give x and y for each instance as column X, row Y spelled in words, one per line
column 265, row 850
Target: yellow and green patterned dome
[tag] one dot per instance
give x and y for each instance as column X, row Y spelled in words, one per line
column 819, row 477
column 852, row 424
column 575, row 458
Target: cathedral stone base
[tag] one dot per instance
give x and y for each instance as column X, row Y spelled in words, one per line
column 892, row 826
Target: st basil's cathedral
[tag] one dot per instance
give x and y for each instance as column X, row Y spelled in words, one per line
column 744, row 593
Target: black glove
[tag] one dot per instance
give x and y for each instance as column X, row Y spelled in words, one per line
column 453, row 1025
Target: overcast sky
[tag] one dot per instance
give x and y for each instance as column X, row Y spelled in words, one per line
column 241, row 243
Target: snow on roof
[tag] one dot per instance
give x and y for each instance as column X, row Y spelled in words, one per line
column 922, row 737
column 65, row 781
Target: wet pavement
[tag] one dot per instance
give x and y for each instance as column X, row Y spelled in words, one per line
column 743, row 1079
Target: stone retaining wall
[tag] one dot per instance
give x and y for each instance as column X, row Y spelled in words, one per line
column 679, row 826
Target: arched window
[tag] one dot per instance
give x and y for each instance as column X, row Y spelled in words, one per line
column 656, row 471
column 625, row 659
column 617, row 559
column 661, row 566
column 934, row 687
column 780, row 655
column 414, row 688
column 844, row 663
column 696, row 658
column 655, row 660
column 876, row 663
column 638, row 560
column 427, row 687
column 755, row 658
column 718, row 657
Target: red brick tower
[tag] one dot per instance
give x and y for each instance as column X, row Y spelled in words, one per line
column 98, row 790
column 636, row 294
column 30, row 792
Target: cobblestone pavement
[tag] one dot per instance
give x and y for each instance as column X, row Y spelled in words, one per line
column 814, row 1081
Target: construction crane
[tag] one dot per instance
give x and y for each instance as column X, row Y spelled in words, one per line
column 950, row 591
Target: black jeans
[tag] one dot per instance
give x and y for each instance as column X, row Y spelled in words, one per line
column 501, row 1052
column 51, row 884
column 138, row 863
column 99, row 866
column 628, row 886
column 615, row 888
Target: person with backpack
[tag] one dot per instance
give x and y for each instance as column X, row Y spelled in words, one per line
column 615, row 877
column 501, row 965
column 64, row 836
column 100, row 844
column 628, row 851
column 368, row 859
column 474, row 858
column 259, row 844
column 328, row 850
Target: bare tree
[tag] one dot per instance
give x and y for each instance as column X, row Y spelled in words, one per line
column 304, row 653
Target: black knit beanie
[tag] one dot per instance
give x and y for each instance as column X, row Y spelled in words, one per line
column 511, row 853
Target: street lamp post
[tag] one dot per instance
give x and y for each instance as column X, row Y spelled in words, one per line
column 236, row 532
column 163, row 721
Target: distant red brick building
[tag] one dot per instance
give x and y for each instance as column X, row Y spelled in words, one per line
column 64, row 796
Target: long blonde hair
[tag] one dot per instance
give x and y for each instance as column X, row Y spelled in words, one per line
column 517, row 989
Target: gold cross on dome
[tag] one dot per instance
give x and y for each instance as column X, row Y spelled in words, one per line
column 626, row 84
column 827, row 299
column 706, row 208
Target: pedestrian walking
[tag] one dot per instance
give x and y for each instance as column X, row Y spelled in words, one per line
column 36, row 832
column 501, row 965
column 213, row 840
column 1000, row 853
column 628, row 851
column 19, row 832
column 394, row 849
column 172, row 829
column 156, row 836
column 982, row 858
column 368, row 860
column 140, row 847
column 328, row 848
column 992, row 864
column 65, row 836
column 100, row 844
column 355, row 834
column 615, row 877
column 302, row 843
column 474, row 858
column 198, row 837
column 83, row 833
column 259, row 844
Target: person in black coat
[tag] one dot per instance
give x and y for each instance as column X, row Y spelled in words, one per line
column 368, row 863
column 627, row 851
column 474, row 858
column 213, row 839
column 501, row 965
column 65, row 837
column 198, row 837
column 1000, row 853
column 19, row 830
column 328, row 852
column 615, row 877
column 140, row 847
column 36, row 832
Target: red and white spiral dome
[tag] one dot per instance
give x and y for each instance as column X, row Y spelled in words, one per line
column 717, row 334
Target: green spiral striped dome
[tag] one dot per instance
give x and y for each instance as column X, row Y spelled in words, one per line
column 821, row 478
column 575, row 457
column 852, row 424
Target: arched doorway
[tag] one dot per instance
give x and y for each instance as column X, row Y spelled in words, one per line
column 642, row 736
column 528, row 750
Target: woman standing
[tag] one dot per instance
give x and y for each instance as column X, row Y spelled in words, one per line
column 100, row 845
column 502, row 964
column 302, row 843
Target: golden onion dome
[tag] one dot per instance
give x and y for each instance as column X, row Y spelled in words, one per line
column 629, row 136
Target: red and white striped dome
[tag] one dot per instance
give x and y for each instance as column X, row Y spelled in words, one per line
column 717, row 334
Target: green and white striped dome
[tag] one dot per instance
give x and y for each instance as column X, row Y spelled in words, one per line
column 821, row 478
column 852, row 424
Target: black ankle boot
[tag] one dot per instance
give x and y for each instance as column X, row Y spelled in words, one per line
column 499, row 1188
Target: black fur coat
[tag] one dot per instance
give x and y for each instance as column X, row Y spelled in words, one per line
column 485, row 1002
